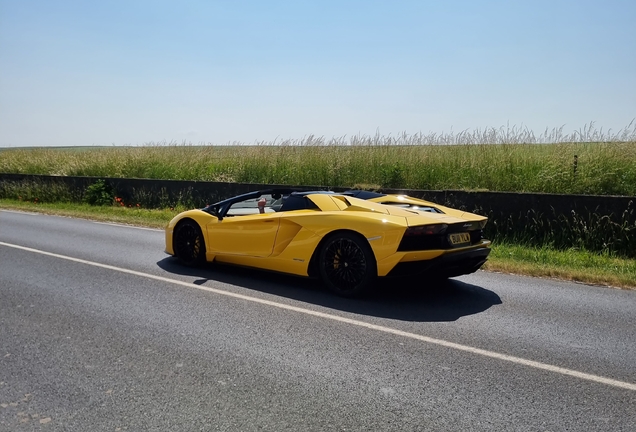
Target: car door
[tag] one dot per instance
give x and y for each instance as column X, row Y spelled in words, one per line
column 249, row 235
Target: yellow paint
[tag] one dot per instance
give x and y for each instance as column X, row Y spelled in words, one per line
column 286, row 241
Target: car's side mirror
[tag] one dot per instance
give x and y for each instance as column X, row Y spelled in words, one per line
column 214, row 211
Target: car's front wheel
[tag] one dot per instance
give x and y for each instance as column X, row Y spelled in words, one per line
column 189, row 245
column 347, row 264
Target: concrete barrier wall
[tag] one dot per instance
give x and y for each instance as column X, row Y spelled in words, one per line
column 150, row 192
column 200, row 193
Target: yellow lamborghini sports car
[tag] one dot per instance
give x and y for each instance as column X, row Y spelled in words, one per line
column 346, row 239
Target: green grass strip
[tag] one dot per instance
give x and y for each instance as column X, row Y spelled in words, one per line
column 574, row 265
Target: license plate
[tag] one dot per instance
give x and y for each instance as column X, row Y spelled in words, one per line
column 459, row 238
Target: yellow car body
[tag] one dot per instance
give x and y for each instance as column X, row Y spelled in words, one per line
column 269, row 236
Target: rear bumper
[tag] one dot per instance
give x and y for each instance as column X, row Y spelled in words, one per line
column 448, row 265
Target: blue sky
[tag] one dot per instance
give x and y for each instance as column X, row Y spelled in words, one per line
column 218, row 71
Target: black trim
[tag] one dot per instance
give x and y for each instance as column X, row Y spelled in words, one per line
column 448, row 265
column 363, row 194
column 439, row 241
column 297, row 202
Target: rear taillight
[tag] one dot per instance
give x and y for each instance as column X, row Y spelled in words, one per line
column 425, row 230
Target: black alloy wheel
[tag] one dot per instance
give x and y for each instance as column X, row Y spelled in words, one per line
column 347, row 264
column 189, row 246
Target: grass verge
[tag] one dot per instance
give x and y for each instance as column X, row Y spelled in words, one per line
column 152, row 218
column 573, row 265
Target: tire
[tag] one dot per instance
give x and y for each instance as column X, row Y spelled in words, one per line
column 347, row 264
column 188, row 243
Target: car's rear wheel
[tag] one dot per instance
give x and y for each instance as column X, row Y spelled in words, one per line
column 347, row 264
column 189, row 245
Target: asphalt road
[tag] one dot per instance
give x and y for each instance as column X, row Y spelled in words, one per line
column 101, row 331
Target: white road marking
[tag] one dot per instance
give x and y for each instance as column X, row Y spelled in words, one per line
column 389, row 330
column 128, row 226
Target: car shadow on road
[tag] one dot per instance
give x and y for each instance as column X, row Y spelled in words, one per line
column 401, row 299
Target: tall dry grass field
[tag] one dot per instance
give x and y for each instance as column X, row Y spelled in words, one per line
column 605, row 168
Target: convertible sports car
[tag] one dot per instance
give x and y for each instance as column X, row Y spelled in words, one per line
column 347, row 239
